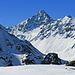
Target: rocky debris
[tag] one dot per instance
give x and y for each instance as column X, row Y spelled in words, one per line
column 31, row 59
column 26, row 59
column 52, row 58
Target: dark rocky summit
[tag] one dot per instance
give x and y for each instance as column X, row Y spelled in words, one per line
column 52, row 58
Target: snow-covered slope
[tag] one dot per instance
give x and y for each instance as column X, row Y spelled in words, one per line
column 48, row 35
column 58, row 37
column 14, row 51
column 38, row 70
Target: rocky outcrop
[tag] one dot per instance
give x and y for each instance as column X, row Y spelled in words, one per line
column 52, row 58
column 31, row 59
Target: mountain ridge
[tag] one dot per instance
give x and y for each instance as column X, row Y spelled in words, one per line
column 48, row 35
column 33, row 23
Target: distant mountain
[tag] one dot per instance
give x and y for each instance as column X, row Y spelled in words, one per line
column 48, row 35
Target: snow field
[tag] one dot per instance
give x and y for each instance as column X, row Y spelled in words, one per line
column 37, row 70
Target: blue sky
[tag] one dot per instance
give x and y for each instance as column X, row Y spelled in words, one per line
column 13, row 12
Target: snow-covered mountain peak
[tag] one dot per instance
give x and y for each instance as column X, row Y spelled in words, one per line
column 66, row 19
column 43, row 14
column 42, row 11
column 69, row 16
column 41, row 18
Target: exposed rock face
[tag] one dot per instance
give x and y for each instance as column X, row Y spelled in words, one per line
column 52, row 58
column 31, row 59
